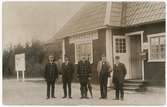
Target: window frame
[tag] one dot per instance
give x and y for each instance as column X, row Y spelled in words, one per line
column 124, row 47
column 149, row 49
column 83, row 42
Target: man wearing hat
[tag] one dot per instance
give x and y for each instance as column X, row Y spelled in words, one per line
column 103, row 69
column 83, row 73
column 67, row 75
column 51, row 75
column 119, row 73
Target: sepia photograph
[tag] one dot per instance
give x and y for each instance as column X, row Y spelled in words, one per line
column 83, row 53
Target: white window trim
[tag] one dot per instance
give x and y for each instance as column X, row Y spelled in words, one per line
column 82, row 42
column 84, row 37
column 150, row 36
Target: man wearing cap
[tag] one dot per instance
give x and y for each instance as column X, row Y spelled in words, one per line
column 51, row 75
column 119, row 73
column 67, row 75
column 103, row 69
column 83, row 73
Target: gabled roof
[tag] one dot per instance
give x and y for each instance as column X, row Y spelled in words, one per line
column 90, row 16
column 95, row 15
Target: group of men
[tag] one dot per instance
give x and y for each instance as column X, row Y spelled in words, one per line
column 84, row 74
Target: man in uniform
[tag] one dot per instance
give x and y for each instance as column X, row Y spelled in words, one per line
column 51, row 75
column 103, row 69
column 119, row 73
column 84, row 73
column 67, row 75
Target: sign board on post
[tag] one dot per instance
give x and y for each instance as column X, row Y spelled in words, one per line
column 20, row 64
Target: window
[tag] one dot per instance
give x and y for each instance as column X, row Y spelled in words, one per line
column 120, row 45
column 83, row 49
column 157, row 47
column 83, row 45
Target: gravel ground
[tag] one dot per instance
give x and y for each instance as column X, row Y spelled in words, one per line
column 32, row 92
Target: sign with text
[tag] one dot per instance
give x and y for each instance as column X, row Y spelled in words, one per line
column 20, row 62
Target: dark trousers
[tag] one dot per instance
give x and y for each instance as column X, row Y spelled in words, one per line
column 67, row 83
column 90, row 88
column 103, row 85
column 119, row 91
column 83, row 88
column 50, row 86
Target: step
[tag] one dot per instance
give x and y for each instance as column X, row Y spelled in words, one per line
column 135, row 89
column 133, row 84
column 131, row 88
column 135, row 81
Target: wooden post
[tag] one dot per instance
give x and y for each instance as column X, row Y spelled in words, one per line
column 17, row 75
column 23, row 76
column 63, row 49
column 109, row 51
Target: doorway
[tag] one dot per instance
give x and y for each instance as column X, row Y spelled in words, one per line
column 135, row 57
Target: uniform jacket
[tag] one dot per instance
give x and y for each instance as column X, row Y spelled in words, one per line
column 67, row 70
column 51, row 72
column 84, row 70
column 119, row 72
column 99, row 67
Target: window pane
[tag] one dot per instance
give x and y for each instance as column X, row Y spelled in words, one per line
column 120, row 45
column 162, row 40
column 83, row 50
column 157, row 48
column 154, row 52
column 162, row 50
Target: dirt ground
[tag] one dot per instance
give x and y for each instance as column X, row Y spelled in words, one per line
column 34, row 93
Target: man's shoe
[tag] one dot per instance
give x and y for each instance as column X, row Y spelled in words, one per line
column 101, row 98
column 64, row 97
column 116, row 99
column 105, row 98
column 87, row 97
column 47, row 98
column 122, row 99
column 81, row 97
column 70, row 97
column 53, row 97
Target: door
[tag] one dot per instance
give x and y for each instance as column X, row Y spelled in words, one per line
column 135, row 57
column 120, row 48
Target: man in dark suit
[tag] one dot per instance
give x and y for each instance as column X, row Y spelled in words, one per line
column 83, row 72
column 119, row 73
column 103, row 69
column 51, row 75
column 67, row 75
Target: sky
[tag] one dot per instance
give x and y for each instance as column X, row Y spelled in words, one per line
column 27, row 21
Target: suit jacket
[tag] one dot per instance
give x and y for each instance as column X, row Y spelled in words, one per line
column 84, row 70
column 51, row 72
column 119, row 73
column 99, row 67
column 67, row 70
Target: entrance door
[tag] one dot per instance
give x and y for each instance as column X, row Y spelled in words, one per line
column 120, row 48
column 135, row 58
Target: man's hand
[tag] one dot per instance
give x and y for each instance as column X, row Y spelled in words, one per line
column 89, row 78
